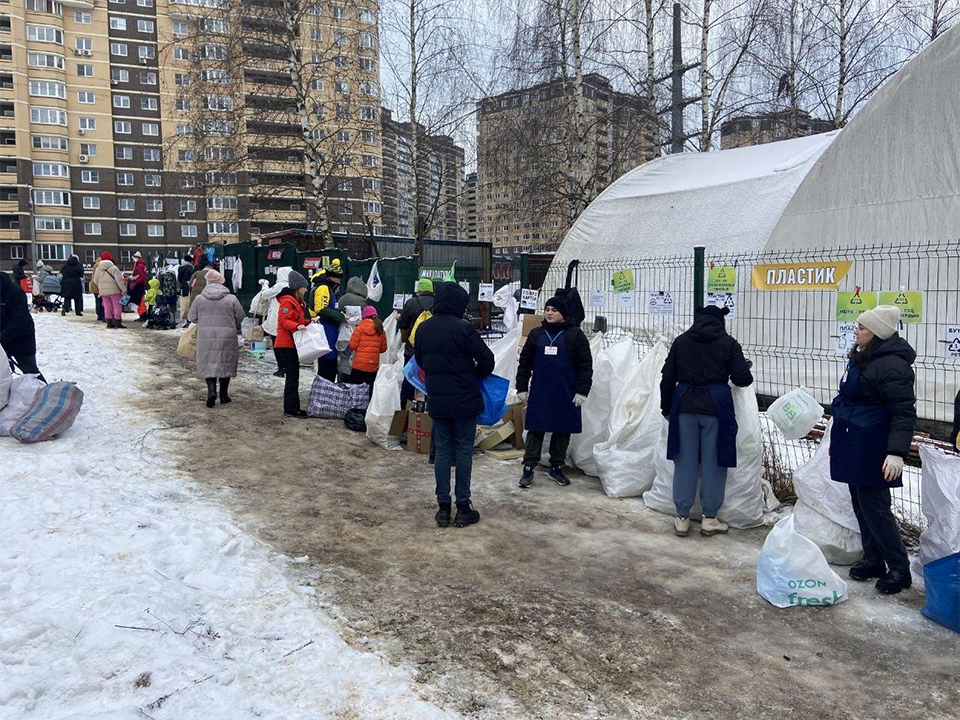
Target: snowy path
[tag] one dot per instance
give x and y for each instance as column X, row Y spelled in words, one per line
column 98, row 531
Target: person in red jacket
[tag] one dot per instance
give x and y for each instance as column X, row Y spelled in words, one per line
column 367, row 341
column 138, row 285
column 291, row 317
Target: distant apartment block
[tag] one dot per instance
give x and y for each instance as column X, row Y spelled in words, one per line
column 747, row 130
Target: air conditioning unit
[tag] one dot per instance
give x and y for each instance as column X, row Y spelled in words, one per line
column 81, row 131
column 84, row 158
column 77, row 51
column 88, row 53
column 144, row 61
column 114, row 82
column 182, row 214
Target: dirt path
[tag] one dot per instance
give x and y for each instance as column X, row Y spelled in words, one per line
column 561, row 603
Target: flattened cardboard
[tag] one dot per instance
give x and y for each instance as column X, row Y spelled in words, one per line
column 502, row 433
column 516, row 414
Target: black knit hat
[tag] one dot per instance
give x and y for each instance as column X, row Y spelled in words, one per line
column 716, row 312
column 558, row 304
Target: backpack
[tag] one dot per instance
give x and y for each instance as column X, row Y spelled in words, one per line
column 572, row 296
column 421, row 318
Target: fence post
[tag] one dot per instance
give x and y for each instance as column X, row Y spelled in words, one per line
column 698, row 262
column 524, row 271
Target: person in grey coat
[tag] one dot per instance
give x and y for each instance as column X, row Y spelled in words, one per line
column 218, row 315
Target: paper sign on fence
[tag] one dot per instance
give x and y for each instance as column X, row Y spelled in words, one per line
column 846, row 338
column 851, row 304
column 909, row 302
column 597, row 298
column 660, row 303
column 623, row 281
column 485, row 292
column 528, row 299
column 626, row 299
column 722, row 280
column 951, row 337
column 721, row 300
column 398, row 301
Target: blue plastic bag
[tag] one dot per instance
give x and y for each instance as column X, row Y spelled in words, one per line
column 494, row 389
column 415, row 376
column 941, row 581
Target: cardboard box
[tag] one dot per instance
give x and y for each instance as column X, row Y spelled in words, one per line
column 501, row 434
column 529, row 323
column 398, row 425
column 516, row 415
column 419, row 430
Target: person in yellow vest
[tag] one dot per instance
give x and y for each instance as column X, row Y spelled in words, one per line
column 323, row 304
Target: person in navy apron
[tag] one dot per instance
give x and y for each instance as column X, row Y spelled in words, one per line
column 557, row 355
column 874, row 417
column 695, row 397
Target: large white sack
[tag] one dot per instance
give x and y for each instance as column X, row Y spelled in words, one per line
column 611, row 368
column 384, row 402
column 626, row 461
column 743, row 503
column 815, row 488
column 840, row 545
column 6, row 377
column 394, row 341
column 507, row 359
column 792, row 571
column 504, row 299
column 940, row 502
column 23, row 390
column 269, row 295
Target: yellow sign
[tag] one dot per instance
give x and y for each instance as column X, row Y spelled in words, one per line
column 722, row 280
column 800, row 276
column 909, row 302
column 851, row 304
column 623, row 281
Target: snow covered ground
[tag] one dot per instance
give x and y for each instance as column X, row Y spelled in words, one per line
column 126, row 595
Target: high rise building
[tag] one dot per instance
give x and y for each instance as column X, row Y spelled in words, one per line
column 149, row 125
column 525, row 160
column 746, row 130
column 469, row 231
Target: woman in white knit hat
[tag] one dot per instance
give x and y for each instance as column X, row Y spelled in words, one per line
column 873, row 421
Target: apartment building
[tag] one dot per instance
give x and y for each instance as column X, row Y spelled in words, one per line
column 156, row 125
column 523, row 191
column 470, row 229
column 440, row 173
column 745, row 130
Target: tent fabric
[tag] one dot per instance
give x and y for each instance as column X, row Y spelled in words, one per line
column 893, row 174
column 728, row 201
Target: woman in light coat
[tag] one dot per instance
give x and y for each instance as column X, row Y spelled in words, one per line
column 109, row 280
column 218, row 315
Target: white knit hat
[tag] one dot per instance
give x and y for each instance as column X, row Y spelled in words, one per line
column 883, row 321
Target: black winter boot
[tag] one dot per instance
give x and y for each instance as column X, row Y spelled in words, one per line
column 443, row 515
column 526, row 480
column 110, row 325
column 466, row 515
column 556, row 473
column 894, row 581
column 119, row 324
column 224, row 384
column 211, row 392
column 866, row 569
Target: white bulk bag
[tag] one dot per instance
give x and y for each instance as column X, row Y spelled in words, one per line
column 311, row 342
column 611, row 368
column 6, row 377
column 394, row 341
column 940, row 502
column 743, row 503
column 792, row 571
column 795, row 413
column 506, row 359
column 269, row 295
column 23, row 391
column 626, row 461
column 384, row 402
column 840, row 545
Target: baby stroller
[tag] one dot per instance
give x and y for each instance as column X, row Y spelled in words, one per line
column 49, row 298
column 163, row 316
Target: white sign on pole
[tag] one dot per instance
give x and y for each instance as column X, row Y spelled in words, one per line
column 465, row 285
column 398, row 301
column 952, row 339
column 727, row 300
column 846, row 338
column 528, row 299
column 407, row 297
column 597, row 298
column 627, row 299
column 485, row 293
column 660, row 303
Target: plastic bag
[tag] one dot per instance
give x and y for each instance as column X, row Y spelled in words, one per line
column 23, row 391
column 940, row 502
column 494, row 390
column 795, row 413
column 187, row 345
column 415, row 376
column 311, row 342
column 354, row 420
column 6, row 377
column 625, row 462
column 384, row 402
column 506, row 358
column 505, row 298
column 941, row 580
column 394, row 341
column 840, row 545
column 793, row 572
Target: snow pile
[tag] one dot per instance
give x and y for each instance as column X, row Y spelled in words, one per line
column 126, row 595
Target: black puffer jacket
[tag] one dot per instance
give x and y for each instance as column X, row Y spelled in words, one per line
column 17, row 336
column 453, row 356
column 955, row 435
column 703, row 355
column 887, row 379
column 71, row 285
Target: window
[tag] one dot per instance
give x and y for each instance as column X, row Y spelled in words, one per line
column 219, row 102
column 128, row 230
column 219, row 127
column 48, row 88
column 339, row 39
column 150, row 128
column 122, row 127
column 184, row 104
column 369, row 136
column 91, row 255
column 145, row 3
column 51, row 197
column 91, row 202
column 181, row 79
column 123, row 152
column 222, row 228
column 151, row 180
column 371, row 207
column 154, row 230
column 148, row 78
column 37, row 59
column 339, row 13
column 87, row 123
column 314, row 9
column 119, row 75
column 45, row 169
column 345, row 186
column 218, row 152
column 221, row 178
column 124, row 178
column 188, row 231
column 151, row 154
column 118, row 49
column 343, row 112
column 316, row 58
column 88, row 149
column 317, row 84
column 370, row 88
column 185, row 156
column 341, row 62
column 49, row 142
column 366, row 41
column 85, row 97
column 16, row 252
column 149, row 103
column 346, row 209
column 222, row 202
column 53, row 224
column 368, row 64
column 82, row 18
column 126, row 204
column 188, row 181
column 371, row 184
column 209, row 51
column 367, row 16
column 48, row 116
column 121, row 101
column 54, row 252
column 180, row 29
column 368, row 113
column 316, row 35
column 370, row 160
column 220, row 77
column 217, row 25
column 342, row 88
column 344, row 161
column 126, row 256
column 184, row 130
column 145, row 26
column 118, row 23
column 147, row 52
column 188, row 206
column 91, row 228
column 45, row 33
column 84, row 45
column 90, row 176
column 181, row 53
column 343, row 136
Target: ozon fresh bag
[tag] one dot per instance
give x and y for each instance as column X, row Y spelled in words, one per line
column 793, row 571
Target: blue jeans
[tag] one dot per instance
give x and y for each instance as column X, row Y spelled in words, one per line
column 454, row 438
column 698, row 446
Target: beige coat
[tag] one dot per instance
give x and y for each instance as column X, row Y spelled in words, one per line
column 94, row 288
column 109, row 279
column 218, row 315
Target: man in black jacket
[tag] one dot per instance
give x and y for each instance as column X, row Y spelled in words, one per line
column 454, row 358
column 17, row 335
column 696, row 398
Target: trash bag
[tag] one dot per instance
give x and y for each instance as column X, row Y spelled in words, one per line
column 394, row 341
column 354, row 420
column 626, row 461
column 23, row 391
column 415, row 376
column 187, row 345
column 506, row 358
column 384, row 402
column 311, row 342
column 941, row 580
column 839, row 545
column 494, row 390
column 793, row 572
column 611, row 368
column 6, row 377
column 940, row 502
column 795, row 413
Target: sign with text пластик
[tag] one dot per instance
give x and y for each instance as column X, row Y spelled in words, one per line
column 800, row 276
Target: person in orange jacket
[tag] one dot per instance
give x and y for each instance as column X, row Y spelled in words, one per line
column 291, row 317
column 367, row 341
